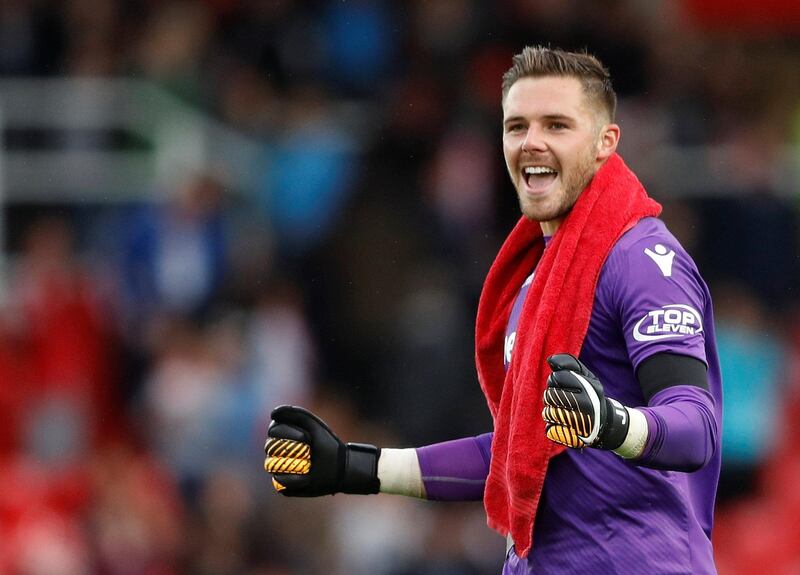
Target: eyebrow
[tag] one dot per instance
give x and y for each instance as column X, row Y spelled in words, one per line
column 546, row 117
column 558, row 117
column 512, row 119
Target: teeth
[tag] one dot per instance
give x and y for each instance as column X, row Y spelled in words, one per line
column 539, row 170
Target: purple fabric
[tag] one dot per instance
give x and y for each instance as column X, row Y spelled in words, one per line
column 456, row 470
column 599, row 513
column 513, row 320
column 682, row 429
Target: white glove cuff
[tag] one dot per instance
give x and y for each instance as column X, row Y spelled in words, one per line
column 399, row 472
column 636, row 440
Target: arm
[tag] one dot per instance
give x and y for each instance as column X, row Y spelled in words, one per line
column 682, row 427
column 306, row 459
column 456, row 470
column 450, row 471
column 676, row 431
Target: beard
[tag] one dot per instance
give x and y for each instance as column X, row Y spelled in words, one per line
column 573, row 182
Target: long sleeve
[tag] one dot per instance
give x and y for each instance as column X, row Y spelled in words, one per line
column 682, row 429
column 456, row 470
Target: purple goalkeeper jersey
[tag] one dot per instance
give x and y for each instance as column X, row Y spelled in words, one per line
column 599, row 513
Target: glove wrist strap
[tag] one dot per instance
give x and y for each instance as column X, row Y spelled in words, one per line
column 361, row 469
column 616, row 428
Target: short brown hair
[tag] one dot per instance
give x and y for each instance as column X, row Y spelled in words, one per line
column 538, row 61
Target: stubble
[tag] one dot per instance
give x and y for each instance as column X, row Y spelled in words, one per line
column 573, row 183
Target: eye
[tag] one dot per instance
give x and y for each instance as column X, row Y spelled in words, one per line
column 557, row 126
column 515, row 128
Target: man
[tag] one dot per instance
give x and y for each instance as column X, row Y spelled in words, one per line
column 594, row 330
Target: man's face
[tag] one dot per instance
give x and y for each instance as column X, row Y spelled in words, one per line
column 553, row 143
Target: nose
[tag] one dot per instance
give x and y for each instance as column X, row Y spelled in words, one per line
column 533, row 141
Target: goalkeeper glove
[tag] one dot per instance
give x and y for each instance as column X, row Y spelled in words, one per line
column 306, row 459
column 577, row 412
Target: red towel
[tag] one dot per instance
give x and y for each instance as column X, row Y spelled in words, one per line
column 554, row 319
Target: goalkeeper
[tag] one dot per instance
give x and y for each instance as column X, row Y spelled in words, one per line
column 595, row 351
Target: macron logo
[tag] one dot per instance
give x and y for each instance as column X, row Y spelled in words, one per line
column 662, row 257
column 673, row 320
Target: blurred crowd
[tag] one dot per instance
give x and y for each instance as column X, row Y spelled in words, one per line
column 143, row 344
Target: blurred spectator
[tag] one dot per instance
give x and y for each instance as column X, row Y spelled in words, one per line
column 220, row 524
column 460, row 184
column 136, row 517
column 173, row 47
column 175, row 253
column 68, row 338
column 93, row 32
column 360, row 43
column 248, row 100
column 753, row 363
column 208, row 394
column 310, row 173
column 390, row 535
column 281, row 355
column 182, row 398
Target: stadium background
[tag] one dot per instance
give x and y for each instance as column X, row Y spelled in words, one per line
column 213, row 207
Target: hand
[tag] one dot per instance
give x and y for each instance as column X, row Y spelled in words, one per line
column 307, row 459
column 577, row 412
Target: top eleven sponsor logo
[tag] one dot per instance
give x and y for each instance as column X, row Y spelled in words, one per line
column 671, row 321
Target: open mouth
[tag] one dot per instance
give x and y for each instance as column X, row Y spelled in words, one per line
column 539, row 178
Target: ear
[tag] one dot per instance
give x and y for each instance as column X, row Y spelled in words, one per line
column 607, row 141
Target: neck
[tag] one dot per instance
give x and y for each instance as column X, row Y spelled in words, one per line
column 549, row 228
